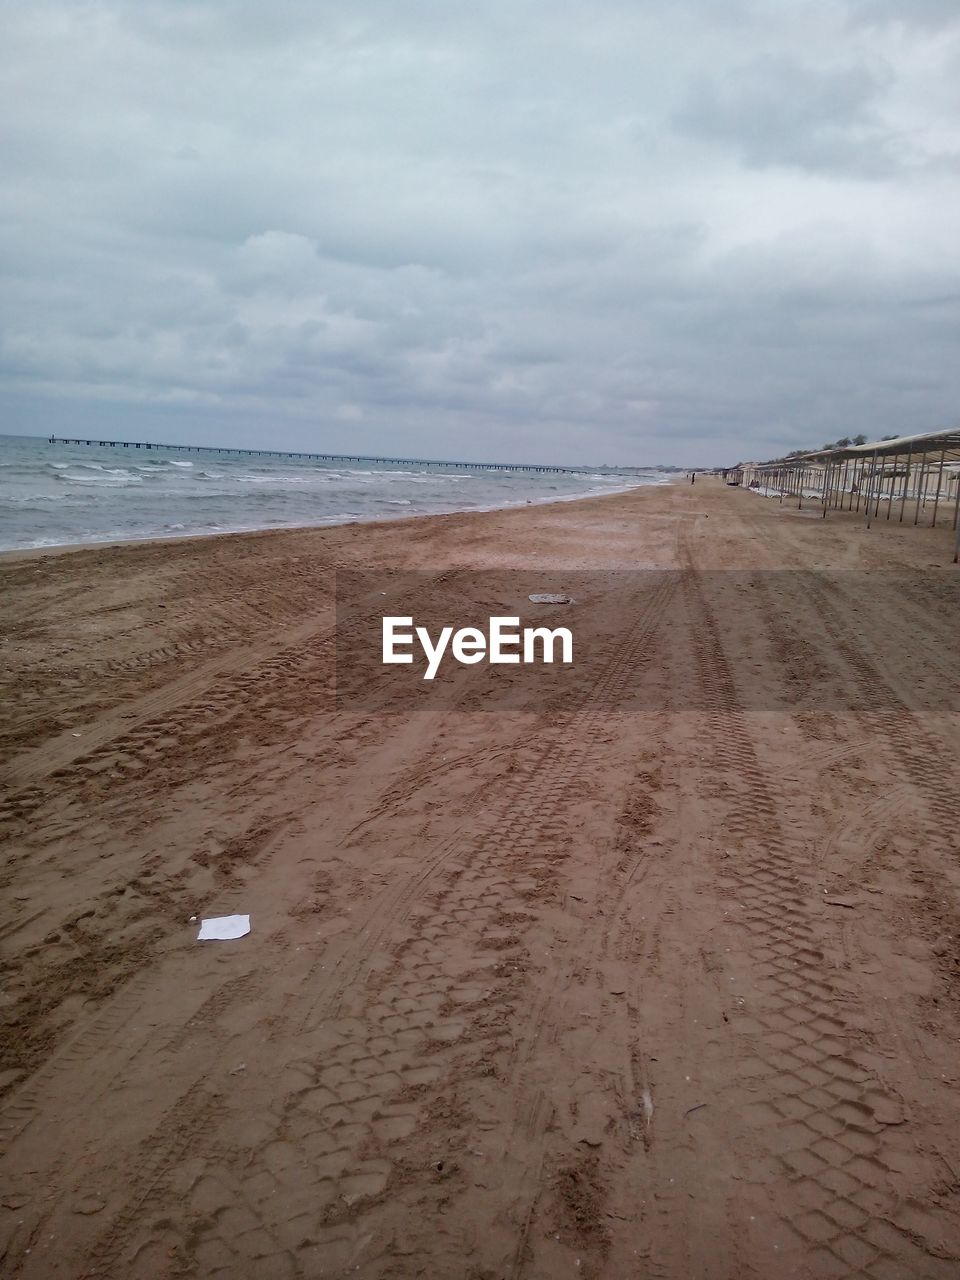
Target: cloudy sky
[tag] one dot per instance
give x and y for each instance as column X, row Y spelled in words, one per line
column 621, row 231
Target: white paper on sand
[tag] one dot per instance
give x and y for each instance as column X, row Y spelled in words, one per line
column 550, row 597
column 223, row 928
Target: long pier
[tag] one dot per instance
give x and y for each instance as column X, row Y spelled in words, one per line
column 320, row 457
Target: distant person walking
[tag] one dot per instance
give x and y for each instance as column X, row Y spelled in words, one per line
column 693, row 477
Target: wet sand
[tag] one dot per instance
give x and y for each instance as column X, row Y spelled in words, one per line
column 542, row 992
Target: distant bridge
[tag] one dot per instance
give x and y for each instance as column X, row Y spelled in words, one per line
column 322, row 457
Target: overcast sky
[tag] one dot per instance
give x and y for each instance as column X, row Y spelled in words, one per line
column 637, row 232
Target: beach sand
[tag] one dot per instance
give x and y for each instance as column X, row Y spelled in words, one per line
column 665, row 990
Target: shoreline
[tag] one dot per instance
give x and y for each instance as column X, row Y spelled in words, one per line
column 52, row 500
column 10, row 554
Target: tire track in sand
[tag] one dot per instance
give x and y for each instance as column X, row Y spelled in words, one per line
column 371, row 1054
column 821, row 1114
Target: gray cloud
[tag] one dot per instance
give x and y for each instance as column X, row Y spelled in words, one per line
column 621, row 232
column 921, row 13
column 776, row 111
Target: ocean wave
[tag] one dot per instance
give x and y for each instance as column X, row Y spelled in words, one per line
column 151, row 463
column 112, row 480
column 29, row 502
column 22, row 499
column 76, row 464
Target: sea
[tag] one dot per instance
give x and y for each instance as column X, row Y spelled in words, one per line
column 59, row 495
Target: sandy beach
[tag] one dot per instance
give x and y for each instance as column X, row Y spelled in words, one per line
column 587, row 990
